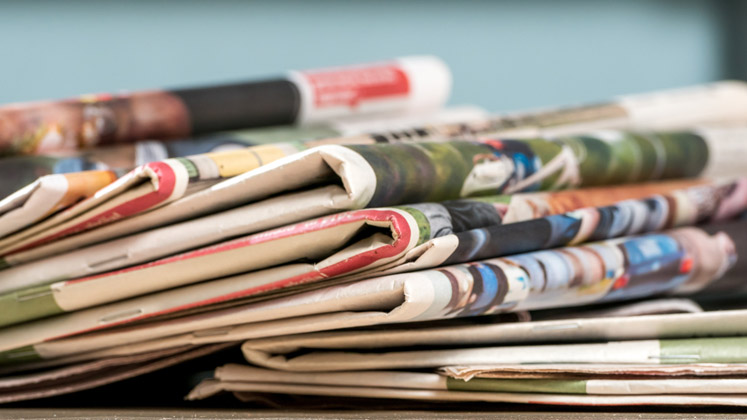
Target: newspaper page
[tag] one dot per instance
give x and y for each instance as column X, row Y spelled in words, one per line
column 339, row 245
column 404, row 85
column 19, row 171
column 48, row 195
column 244, row 381
column 145, row 188
column 683, row 260
column 346, row 177
column 361, row 241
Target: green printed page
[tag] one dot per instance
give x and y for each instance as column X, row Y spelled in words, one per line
column 545, row 386
column 31, row 303
column 704, row 350
column 445, row 171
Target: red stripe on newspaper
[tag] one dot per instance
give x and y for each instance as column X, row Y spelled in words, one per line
column 166, row 183
column 399, row 225
column 297, row 229
column 350, row 87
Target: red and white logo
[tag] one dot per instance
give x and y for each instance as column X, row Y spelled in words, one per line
column 351, row 86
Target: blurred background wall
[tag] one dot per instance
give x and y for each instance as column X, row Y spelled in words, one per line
column 504, row 54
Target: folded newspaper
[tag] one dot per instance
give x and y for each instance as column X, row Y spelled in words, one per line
column 88, row 374
column 144, row 188
column 223, row 163
column 179, row 237
column 18, row 171
column 403, row 85
column 443, row 127
column 48, row 195
column 93, row 374
column 684, row 260
column 715, row 103
column 332, row 178
column 664, row 359
column 362, row 243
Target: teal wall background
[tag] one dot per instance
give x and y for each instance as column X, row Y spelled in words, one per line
column 504, row 55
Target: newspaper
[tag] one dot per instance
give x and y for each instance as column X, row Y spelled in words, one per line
column 332, row 178
column 179, row 237
column 720, row 102
column 649, row 306
column 229, row 161
column 668, row 109
column 595, row 371
column 83, row 375
column 579, row 385
column 48, row 195
column 468, row 360
column 246, row 391
column 242, row 159
column 403, row 85
column 87, row 375
column 18, row 171
column 488, row 331
column 683, row 260
column 269, row 303
column 466, row 365
column 244, row 381
column 696, row 205
column 372, row 364
column 144, row 188
column 717, row 103
column 444, row 131
column 360, row 243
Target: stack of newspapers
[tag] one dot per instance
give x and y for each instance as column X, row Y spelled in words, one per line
column 352, row 237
